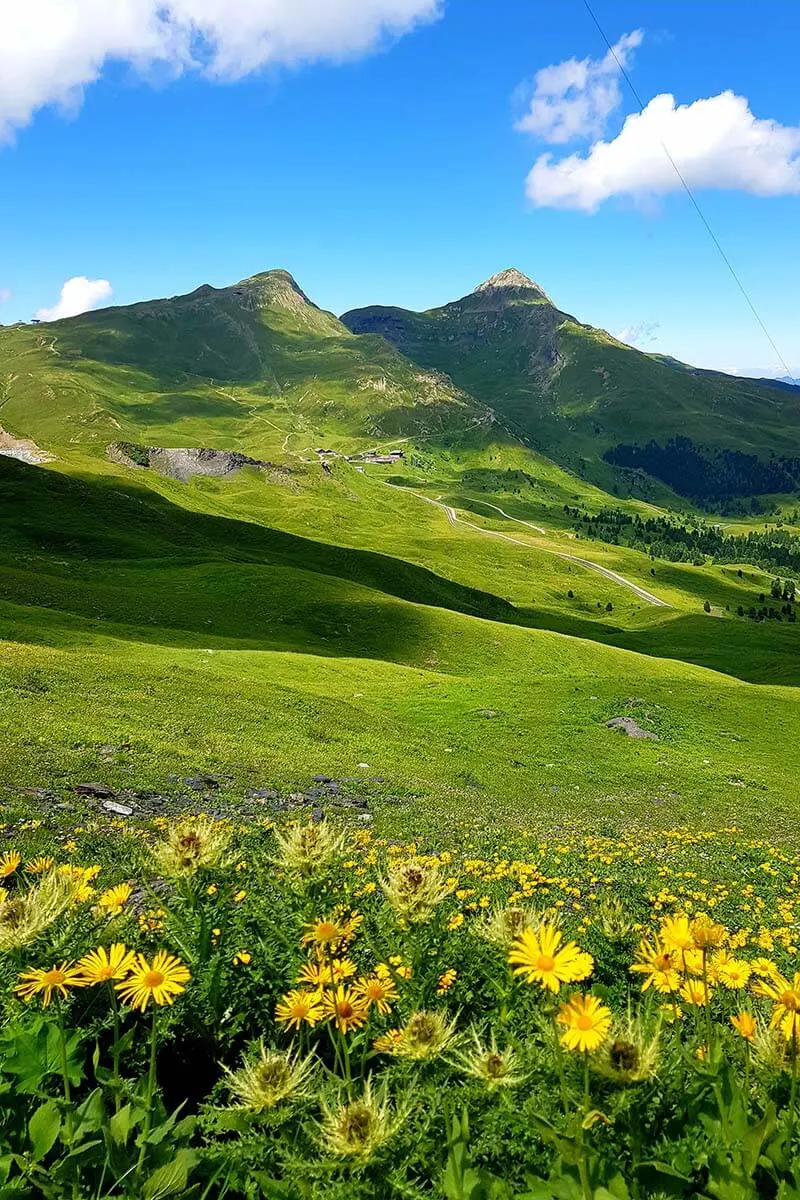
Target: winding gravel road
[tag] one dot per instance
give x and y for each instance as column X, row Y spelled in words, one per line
column 454, row 519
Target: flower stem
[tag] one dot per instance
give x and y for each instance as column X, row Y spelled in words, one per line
column 151, row 1083
column 115, row 1048
column 62, row 1040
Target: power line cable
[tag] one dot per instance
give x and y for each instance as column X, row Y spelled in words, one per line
column 691, row 196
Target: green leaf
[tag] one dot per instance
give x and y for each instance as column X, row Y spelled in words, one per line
column 91, row 1114
column 171, row 1178
column 43, row 1129
column 121, row 1124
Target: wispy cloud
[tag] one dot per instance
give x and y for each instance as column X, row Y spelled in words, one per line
column 643, row 333
column 50, row 50
column 77, row 295
column 575, row 98
column 5, row 295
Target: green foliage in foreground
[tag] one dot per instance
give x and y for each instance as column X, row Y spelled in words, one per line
column 269, row 1074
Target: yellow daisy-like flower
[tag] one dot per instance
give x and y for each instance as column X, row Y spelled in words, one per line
column 446, row 981
column 160, row 981
column 9, row 863
column 587, row 1023
column 59, row 979
column 707, row 934
column 734, row 974
column 658, row 965
column 786, row 998
column 107, row 964
column 323, row 974
column 379, row 991
column 345, row 1008
column 693, row 992
column 676, row 934
column 38, row 866
column 114, row 899
column 325, row 932
column 745, row 1025
column 298, row 1007
column 764, row 967
column 535, row 955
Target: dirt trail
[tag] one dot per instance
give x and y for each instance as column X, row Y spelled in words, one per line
column 454, row 519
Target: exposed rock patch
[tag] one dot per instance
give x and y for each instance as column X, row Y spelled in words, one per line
column 23, row 449
column 631, row 728
column 183, row 463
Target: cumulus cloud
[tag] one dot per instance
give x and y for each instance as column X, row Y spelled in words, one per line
column 78, row 295
column 575, row 98
column 50, row 50
column 716, row 143
column 643, row 333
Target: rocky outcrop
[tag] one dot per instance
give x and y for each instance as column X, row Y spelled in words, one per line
column 22, row 449
column 182, row 463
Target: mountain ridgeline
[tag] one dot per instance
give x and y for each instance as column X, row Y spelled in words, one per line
column 586, row 400
column 228, row 367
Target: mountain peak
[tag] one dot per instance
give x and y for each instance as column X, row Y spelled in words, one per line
column 512, row 279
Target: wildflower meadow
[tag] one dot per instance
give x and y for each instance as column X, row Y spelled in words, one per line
column 201, row 1008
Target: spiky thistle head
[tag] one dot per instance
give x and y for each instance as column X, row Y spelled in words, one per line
column 307, row 851
column 426, row 1034
column 26, row 914
column 485, row 1061
column 270, row 1078
column 357, row 1129
column 504, row 924
column 612, row 918
column 194, row 844
column 631, row 1053
column 414, row 888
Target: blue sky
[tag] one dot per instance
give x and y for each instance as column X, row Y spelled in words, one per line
column 387, row 162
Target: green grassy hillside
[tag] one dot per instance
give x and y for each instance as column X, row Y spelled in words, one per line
column 574, row 391
column 436, row 618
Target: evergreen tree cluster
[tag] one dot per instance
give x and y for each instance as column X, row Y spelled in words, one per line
column 708, row 475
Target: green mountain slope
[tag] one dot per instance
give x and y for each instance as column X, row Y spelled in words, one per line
column 236, row 368
column 576, row 392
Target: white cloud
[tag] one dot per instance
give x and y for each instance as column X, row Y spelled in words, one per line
column 78, row 295
column 643, row 333
column 51, row 49
column 716, row 143
column 575, row 98
column 5, row 295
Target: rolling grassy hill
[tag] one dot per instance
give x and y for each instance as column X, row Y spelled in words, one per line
column 285, row 619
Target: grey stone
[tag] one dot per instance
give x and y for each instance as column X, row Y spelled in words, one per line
column 121, row 810
column 631, row 728
column 100, row 791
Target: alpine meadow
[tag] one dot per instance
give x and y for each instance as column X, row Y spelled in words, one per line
column 400, row 710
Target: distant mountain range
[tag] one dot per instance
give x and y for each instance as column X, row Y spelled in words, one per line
column 209, row 367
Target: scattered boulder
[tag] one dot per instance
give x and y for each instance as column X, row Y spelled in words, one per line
column 98, row 791
column 120, row 810
column 631, row 728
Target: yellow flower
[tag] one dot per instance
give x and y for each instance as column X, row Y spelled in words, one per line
column 456, row 921
column 676, row 934
column 325, row 932
column 734, row 974
column 693, row 992
column 587, row 1023
column 658, row 964
column 345, row 1008
column 239, row 897
column 44, row 983
column 242, row 958
column 114, row 899
column 38, row 866
column 707, row 934
column 9, row 863
column 106, row 965
column 212, row 889
column 160, row 981
column 322, row 974
column 536, row 956
column 297, row 1007
column 765, row 968
column 786, row 999
column 745, row 1025
column 377, row 990
column 446, row 981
